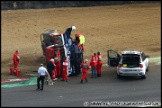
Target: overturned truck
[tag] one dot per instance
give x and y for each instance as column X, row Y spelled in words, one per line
column 56, row 45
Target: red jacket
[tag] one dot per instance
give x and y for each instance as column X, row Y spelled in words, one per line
column 85, row 67
column 93, row 61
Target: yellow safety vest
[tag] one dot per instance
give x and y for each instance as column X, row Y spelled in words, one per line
column 82, row 39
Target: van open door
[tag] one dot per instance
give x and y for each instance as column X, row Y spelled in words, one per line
column 113, row 58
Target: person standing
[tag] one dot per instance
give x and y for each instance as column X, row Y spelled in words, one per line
column 68, row 31
column 65, row 69
column 42, row 71
column 58, row 63
column 99, row 64
column 85, row 67
column 16, row 59
column 93, row 64
column 68, row 41
column 51, row 67
column 80, row 40
column 67, row 35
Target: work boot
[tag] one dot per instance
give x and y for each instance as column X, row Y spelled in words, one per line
column 86, row 80
column 81, row 81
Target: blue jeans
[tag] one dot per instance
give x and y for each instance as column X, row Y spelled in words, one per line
column 94, row 71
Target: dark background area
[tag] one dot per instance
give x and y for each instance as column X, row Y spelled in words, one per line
column 13, row 5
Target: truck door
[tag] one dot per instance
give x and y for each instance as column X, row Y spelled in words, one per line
column 113, row 58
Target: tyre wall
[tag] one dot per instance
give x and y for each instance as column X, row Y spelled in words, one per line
column 14, row 5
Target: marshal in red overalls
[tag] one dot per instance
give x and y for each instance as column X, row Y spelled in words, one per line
column 58, row 63
column 16, row 59
column 65, row 69
column 85, row 67
column 99, row 64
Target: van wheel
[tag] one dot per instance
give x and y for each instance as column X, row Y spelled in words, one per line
column 143, row 77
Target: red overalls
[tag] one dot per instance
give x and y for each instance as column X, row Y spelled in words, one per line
column 16, row 60
column 57, row 63
column 65, row 69
column 99, row 64
column 85, row 68
column 54, row 73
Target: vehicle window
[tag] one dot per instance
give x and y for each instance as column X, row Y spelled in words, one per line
column 58, row 40
column 113, row 54
column 130, row 58
column 47, row 38
column 143, row 56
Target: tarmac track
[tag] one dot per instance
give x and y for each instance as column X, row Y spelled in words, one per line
column 105, row 89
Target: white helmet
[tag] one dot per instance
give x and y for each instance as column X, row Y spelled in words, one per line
column 86, row 60
column 52, row 60
column 73, row 28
